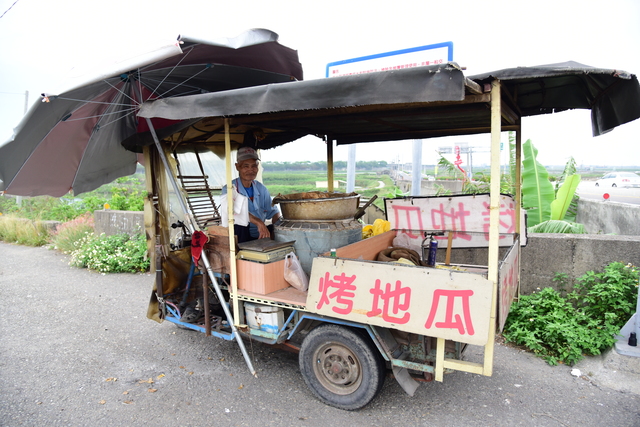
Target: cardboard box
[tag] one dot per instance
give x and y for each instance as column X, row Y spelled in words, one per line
column 261, row 278
column 217, row 249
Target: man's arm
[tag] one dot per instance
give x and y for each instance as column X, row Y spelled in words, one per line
column 263, row 231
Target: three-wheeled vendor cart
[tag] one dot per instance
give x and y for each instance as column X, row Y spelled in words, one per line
column 361, row 316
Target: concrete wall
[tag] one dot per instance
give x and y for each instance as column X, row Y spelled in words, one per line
column 548, row 254
column 600, row 217
column 116, row 222
column 428, row 188
column 543, row 257
column 574, row 254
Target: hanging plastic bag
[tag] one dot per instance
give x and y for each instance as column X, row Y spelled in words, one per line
column 240, row 209
column 402, row 239
column 293, row 273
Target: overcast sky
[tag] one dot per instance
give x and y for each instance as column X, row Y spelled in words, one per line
column 44, row 39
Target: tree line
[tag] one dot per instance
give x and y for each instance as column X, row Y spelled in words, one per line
column 322, row 165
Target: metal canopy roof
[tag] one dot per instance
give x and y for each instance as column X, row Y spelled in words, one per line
column 394, row 105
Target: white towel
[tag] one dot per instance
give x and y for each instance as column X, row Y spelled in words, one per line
column 240, row 209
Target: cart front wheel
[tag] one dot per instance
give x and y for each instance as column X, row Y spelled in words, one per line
column 341, row 367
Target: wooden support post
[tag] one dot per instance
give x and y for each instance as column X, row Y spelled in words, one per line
column 233, row 273
column 494, row 222
column 518, row 183
column 519, row 225
column 439, row 374
column 447, row 260
column 329, row 163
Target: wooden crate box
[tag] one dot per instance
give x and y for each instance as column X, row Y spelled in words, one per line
column 261, row 278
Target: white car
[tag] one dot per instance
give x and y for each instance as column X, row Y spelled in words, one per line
column 619, row 179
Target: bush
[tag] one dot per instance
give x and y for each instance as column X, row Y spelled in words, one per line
column 564, row 329
column 119, row 253
column 67, row 234
column 7, row 204
column 613, row 291
column 124, row 199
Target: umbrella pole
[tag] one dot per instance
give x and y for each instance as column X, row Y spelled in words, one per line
column 191, row 226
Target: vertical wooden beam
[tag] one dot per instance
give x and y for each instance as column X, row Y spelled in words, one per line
column 518, row 182
column 232, row 238
column 519, row 226
column 439, row 368
column 329, row 163
column 150, row 225
column 494, row 221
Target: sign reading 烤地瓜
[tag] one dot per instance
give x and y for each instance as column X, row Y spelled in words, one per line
column 446, row 304
column 420, row 56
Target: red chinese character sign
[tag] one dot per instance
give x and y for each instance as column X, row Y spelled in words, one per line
column 467, row 215
column 441, row 303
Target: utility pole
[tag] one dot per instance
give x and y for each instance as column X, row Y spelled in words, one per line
column 416, row 168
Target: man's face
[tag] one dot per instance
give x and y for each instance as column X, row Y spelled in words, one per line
column 247, row 169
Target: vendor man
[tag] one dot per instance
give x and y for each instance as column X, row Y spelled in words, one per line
column 260, row 208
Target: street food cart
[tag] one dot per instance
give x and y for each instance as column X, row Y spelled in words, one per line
column 361, row 317
column 365, row 312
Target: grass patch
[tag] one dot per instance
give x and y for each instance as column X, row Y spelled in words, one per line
column 23, row 231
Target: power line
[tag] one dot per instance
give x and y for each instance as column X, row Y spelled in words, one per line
column 5, row 12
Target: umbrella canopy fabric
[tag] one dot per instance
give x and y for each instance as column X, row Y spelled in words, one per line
column 72, row 141
column 412, row 103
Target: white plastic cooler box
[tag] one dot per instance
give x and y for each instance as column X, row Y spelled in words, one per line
column 264, row 317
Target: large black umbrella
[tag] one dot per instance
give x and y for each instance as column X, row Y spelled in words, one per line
column 72, row 140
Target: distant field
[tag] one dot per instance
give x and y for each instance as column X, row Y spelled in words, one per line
column 367, row 183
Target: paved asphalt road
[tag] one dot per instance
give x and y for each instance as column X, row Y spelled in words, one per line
column 77, row 350
column 588, row 190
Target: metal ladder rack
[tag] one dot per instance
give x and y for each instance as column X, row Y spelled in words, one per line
column 199, row 196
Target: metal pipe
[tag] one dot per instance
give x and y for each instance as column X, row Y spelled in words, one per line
column 190, row 223
column 416, row 168
column 351, row 169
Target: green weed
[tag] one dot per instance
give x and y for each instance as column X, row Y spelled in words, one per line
column 564, row 329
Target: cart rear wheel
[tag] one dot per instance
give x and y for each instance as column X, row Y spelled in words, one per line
column 341, row 368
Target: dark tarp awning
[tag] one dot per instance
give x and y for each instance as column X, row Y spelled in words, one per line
column 611, row 95
column 404, row 104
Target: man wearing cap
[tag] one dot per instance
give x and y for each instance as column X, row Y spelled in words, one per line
column 260, row 208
